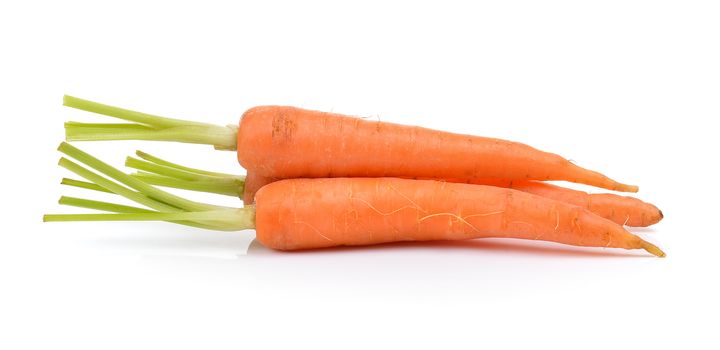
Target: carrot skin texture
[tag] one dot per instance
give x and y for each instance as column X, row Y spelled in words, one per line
column 317, row 213
column 290, row 142
column 623, row 210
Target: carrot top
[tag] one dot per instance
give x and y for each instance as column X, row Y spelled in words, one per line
column 163, row 206
column 155, row 171
column 145, row 127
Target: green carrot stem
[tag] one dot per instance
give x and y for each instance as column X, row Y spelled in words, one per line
column 192, row 179
column 125, row 114
column 150, row 127
column 130, row 181
column 228, row 188
column 157, row 160
column 233, row 219
column 98, row 205
column 109, row 126
column 136, row 196
column 221, row 138
column 113, row 187
column 84, row 184
column 119, row 208
column 177, row 176
column 169, row 207
column 161, row 169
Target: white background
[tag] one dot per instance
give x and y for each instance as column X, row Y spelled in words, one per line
column 629, row 88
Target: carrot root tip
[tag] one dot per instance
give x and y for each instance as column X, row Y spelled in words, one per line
column 652, row 249
column 628, row 188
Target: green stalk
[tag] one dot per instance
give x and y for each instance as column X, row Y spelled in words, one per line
column 163, row 170
column 130, row 181
column 137, row 197
column 218, row 187
column 167, row 207
column 221, row 137
column 177, row 176
column 157, row 160
column 231, row 219
column 84, row 184
column 98, row 205
column 149, row 127
column 110, row 126
column 113, row 187
column 119, row 208
column 125, row 114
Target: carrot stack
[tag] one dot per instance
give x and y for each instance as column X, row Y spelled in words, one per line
column 317, row 179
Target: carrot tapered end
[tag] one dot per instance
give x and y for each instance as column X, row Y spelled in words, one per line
column 652, row 249
column 626, row 188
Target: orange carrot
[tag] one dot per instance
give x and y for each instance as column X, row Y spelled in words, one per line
column 316, row 213
column 620, row 209
column 288, row 142
column 623, row 210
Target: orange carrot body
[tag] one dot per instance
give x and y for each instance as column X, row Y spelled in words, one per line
column 288, row 142
column 623, row 210
column 316, row 213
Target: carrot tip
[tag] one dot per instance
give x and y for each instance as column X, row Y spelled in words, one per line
column 652, row 249
column 627, row 188
column 661, row 214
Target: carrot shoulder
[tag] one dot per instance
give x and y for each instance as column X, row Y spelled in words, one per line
column 316, row 213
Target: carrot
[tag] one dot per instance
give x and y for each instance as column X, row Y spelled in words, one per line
column 317, row 213
column 623, row 210
column 362, row 211
column 287, row 142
